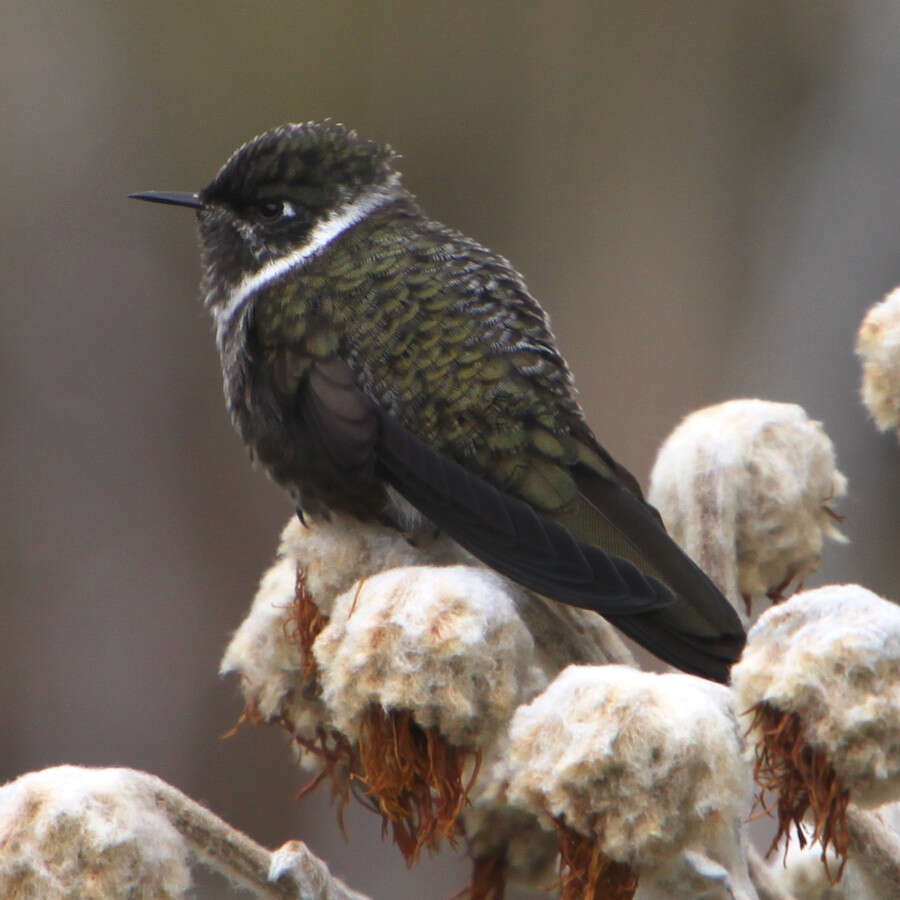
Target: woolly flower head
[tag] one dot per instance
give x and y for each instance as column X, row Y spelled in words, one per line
column 746, row 488
column 445, row 643
column 265, row 650
column 878, row 346
column 649, row 763
column 832, row 656
column 90, row 833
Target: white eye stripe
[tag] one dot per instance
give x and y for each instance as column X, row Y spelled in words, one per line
column 287, row 209
column 319, row 238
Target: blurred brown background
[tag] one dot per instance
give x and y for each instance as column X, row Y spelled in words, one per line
column 706, row 196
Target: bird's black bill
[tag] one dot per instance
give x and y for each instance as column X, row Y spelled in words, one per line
column 170, row 197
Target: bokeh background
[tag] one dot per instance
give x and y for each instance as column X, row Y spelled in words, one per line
column 706, row 196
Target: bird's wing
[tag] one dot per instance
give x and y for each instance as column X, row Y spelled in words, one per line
column 685, row 622
column 700, row 632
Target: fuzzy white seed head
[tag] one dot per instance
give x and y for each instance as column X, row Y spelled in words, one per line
column 91, row 833
column 266, row 654
column 457, row 645
column 445, row 643
column 746, row 488
column 265, row 651
column 651, row 764
column 878, row 347
column 331, row 556
column 260, row 652
column 832, row 656
column 334, row 553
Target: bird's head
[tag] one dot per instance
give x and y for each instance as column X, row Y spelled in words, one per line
column 281, row 198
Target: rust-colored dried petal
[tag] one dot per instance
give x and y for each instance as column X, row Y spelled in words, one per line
column 304, row 624
column 587, row 873
column 804, row 781
column 415, row 776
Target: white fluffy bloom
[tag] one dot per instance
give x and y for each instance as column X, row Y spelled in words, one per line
column 72, row 832
column 89, row 833
column 409, row 629
column 445, row 643
column 745, row 487
column 878, row 346
column 649, row 764
column 832, row 655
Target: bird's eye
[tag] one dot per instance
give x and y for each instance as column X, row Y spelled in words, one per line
column 273, row 210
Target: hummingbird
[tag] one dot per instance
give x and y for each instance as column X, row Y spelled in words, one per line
column 379, row 363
